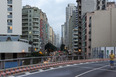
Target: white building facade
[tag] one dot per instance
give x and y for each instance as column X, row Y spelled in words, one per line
column 11, row 29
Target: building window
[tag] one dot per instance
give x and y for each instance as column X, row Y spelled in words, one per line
column 30, row 20
column 9, row 15
column 30, row 11
column 9, row 29
column 9, row 8
column 29, row 24
column 30, row 28
column 9, row 1
column 9, row 22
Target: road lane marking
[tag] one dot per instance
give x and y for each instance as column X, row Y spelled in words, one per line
column 91, row 71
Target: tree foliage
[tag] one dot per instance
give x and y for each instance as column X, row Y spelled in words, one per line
column 62, row 47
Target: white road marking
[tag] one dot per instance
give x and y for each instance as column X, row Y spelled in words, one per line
column 68, row 65
column 75, row 64
column 41, row 70
column 27, row 73
column 51, row 68
column 90, row 71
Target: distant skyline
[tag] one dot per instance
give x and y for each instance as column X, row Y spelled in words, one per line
column 54, row 9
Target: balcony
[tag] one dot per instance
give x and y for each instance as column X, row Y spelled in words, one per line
column 25, row 26
column 36, row 26
column 76, row 40
column 25, row 29
column 24, row 21
column 9, row 9
column 75, row 36
column 25, row 33
column 36, row 37
column 36, row 29
column 75, row 33
column 9, row 16
column 24, row 17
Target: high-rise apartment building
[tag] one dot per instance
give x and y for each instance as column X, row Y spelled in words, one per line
column 10, row 17
column 44, row 25
column 31, row 25
column 85, row 6
column 97, row 29
column 11, row 29
column 62, row 34
column 73, row 34
column 69, row 11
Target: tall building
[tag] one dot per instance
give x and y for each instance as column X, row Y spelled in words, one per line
column 73, row 34
column 11, row 29
column 51, row 35
column 31, row 25
column 43, row 29
column 10, row 17
column 69, row 10
column 98, row 29
column 58, row 41
column 85, row 6
column 63, row 34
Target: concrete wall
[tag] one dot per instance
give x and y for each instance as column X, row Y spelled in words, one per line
column 104, row 28
column 3, row 16
column 101, row 29
column 13, row 47
column 17, row 17
column 113, row 26
column 88, row 6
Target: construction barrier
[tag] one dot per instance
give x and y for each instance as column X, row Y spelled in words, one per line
column 12, row 71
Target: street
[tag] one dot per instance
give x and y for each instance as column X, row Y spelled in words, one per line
column 97, row 69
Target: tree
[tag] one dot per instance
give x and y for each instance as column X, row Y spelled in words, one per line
column 62, row 47
column 50, row 48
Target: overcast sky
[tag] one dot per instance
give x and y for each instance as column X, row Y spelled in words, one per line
column 54, row 9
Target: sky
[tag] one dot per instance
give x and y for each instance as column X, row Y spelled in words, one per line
column 54, row 9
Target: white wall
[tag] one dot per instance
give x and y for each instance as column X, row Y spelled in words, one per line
column 17, row 17
column 13, row 47
column 3, row 16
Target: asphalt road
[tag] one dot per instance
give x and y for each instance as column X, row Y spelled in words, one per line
column 97, row 69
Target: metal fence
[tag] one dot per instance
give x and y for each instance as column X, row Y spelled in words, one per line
column 10, row 63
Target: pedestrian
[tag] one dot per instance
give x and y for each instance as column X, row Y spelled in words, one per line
column 112, row 57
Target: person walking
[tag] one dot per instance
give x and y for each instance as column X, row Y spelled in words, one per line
column 112, row 57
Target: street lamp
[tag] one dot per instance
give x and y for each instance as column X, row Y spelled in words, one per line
column 31, row 42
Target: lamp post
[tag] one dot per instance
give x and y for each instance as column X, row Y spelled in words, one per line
column 31, row 42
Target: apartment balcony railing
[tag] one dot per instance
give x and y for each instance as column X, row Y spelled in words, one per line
column 25, row 29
